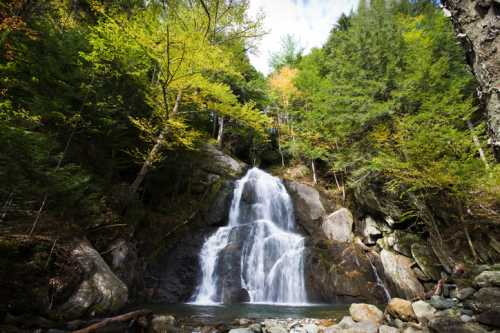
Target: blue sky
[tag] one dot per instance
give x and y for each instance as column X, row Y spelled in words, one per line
column 308, row 20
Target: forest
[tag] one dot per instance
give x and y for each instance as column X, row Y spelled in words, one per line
column 105, row 107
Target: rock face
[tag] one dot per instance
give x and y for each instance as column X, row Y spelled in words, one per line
column 398, row 271
column 338, row 226
column 100, row 292
column 478, row 27
column 308, row 206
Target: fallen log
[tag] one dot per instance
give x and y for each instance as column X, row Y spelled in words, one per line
column 134, row 315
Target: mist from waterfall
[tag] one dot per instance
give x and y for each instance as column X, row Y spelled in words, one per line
column 259, row 244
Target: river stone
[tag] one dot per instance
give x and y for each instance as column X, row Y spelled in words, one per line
column 464, row 293
column 347, row 325
column 441, row 303
column 490, row 317
column 366, row 312
column 443, row 324
column 161, row 323
column 401, row 308
column 338, row 226
column 100, row 292
column 311, row 328
column 488, row 279
column 399, row 273
column 426, row 260
column 241, row 330
column 388, row 329
column 423, row 310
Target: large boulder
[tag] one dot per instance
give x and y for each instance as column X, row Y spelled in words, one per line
column 490, row 317
column 485, row 298
column 488, row 279
column 221, row 163
column 399, row 273
column 308, row 206
column 401, row 309
column 338, row 226
column 443, row 324
column 426, row 260
column 100, row 292
column 366, row 312
column 423, row 311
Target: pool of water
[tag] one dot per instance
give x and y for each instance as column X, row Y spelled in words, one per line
column 211, row 314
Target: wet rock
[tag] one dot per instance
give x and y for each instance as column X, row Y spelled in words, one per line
column 338, row 226
column 441, row 303
column 464, row 293
column 100, row 292
column 366, row 312
column 426, row 260
column 308, row 206
column 370, row 230
column 399, row 273
column 488, row 279
column 402, row 309
column 388, row 329
column 218, row 212
column 490, row 317
column 443, row 324
column 423, row 311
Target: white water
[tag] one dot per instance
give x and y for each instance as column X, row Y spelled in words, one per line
column 271, row 255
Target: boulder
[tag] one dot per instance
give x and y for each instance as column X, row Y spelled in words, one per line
column 347, row 325
column 488, row 279
column 426, row 260
column 370, row 230
column 338, row 226
column 400, row 308
column 399, row 273
column 388, row 329
column 443, row 324
column 124, row 261
column 311, row 328
column 464, row 293
column 441, row 303
column 308, row 206
column 423, row 311
column 486, row 298
column 366, row 312
column 274, row 326
column 221, row 163
column 161, row 324
column 490, row 317
column 241, row 330
column 100, row 292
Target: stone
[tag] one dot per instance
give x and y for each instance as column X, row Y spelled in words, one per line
column 221, row 163
column 338, row 226
column 387, row 329
column 443, row 324
column 370, row 230
column 488, row 279
column 100, row 292
column 423, row 311
column 366, row 312
column 441, row 303
column 161, row 323
column 466, row 318
column 486, row 298
column 274, row 326
column 400, row 308
column 411, row 329
column 399, row 273
column 241, row 330
column 464, row 293
column 255, row 328
column 401, row 241
column 125, row 263
column 308, row 206
column 311, row 328
column 426, row 260
column 490, row 317
column 347, row 325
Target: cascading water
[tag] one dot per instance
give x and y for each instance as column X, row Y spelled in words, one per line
column 258, row 254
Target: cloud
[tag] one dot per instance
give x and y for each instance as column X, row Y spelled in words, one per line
column 308, row 20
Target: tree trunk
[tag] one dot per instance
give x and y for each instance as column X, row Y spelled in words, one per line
column 313, row 167
column 476, row 25
column 146, row 166
column 220, row 135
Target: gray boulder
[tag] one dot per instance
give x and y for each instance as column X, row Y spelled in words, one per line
column 426, row 260
column 221, row 163
column 441, row 303
column 366, row 312
column 423, row 310
column 443, row 324
column 100, row 292
column 464, row 293
column 388, row 329
column 398, row 271
column 370, row 230
column 309, row 208
column 338, row 226
column 490, row 317
column 488, row 279
column 124, row 261
column 486, row 298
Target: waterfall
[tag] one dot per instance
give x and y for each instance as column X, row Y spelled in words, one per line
column 257, row 257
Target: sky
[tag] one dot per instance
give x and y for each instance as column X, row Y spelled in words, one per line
column 309, row 21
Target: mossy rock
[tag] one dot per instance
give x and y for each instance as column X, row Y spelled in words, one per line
column 426, row 260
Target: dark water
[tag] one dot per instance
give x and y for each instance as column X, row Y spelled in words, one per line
column 227, row 313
